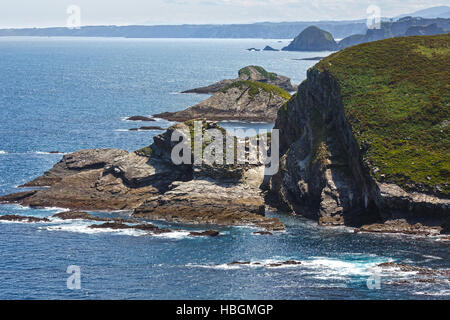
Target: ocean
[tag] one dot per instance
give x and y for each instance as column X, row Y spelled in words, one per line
column 66, row 94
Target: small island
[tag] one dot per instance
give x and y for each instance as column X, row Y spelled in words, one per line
column 313, row 39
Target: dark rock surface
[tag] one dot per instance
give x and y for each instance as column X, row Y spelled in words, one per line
column 269, row 48
column 208, row 233
column 147, row 128
column 13, row 217
column 252, row 73
column 140, row 118
column 322, row 174
column 151, row 186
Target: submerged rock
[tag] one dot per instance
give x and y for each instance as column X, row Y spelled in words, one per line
column 263, row 233
column 13, row 217
column 140, row 118
column 208, row 233
column 72, row 215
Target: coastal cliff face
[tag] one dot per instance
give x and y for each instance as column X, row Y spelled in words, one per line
column 242, row 100
column 364, row 138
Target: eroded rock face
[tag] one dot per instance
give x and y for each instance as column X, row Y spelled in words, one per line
column 150, row 184
column 16, row 218
column 242, row 100
column 253, row 73
column 322, row 175
column 400, row 226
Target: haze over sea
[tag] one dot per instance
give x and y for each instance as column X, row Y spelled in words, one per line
column 66, row 94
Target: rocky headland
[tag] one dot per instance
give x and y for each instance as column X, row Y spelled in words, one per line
column 147, row 183
column 251, row 73
column 364, row 142
column 243, row 100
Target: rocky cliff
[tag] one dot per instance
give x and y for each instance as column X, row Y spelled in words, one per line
column 150, row 185
column 366, row 137
column 251, row 73
column 242, row 100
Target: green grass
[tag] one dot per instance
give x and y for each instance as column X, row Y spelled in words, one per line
column 396, row 96
column 261, row 70
column 254, row 88
column 144, row 152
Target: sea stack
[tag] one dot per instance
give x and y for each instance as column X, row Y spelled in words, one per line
column 313, row 39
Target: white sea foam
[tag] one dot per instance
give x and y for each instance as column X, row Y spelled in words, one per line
column 338, row 269
column 443, row 292
column 45, row 152
column 79, row 226
column 177, row 235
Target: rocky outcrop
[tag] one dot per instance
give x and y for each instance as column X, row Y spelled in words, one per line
column 147, row 128
column 400, row 226
column 243, row 100
column 140, row 118
column 17, row 218
column 208, row 233
column 149, row 184
column 75, row 215
column 269, row 48
column 252, row 73
column 327, row 173
column 312, row 39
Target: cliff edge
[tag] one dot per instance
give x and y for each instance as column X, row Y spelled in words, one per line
column 366, row 137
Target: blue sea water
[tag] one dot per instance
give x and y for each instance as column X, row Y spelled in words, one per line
column 63, row 95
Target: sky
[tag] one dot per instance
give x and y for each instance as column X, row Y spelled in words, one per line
column 46, row 13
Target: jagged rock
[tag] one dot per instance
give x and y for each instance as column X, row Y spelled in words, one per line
column 327, row 171
column 71, row 215
column 205, row 201
column 242, row 100
column 208, row 233
column 148, row 182
column 269, row 48
column 146, row 128
column 111, row 225
column 399, row 226
column 252, row 73
column 13, row 217
column 140, row 118
column 312, row 39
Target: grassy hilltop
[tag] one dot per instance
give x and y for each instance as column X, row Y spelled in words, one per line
column 396, row 96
